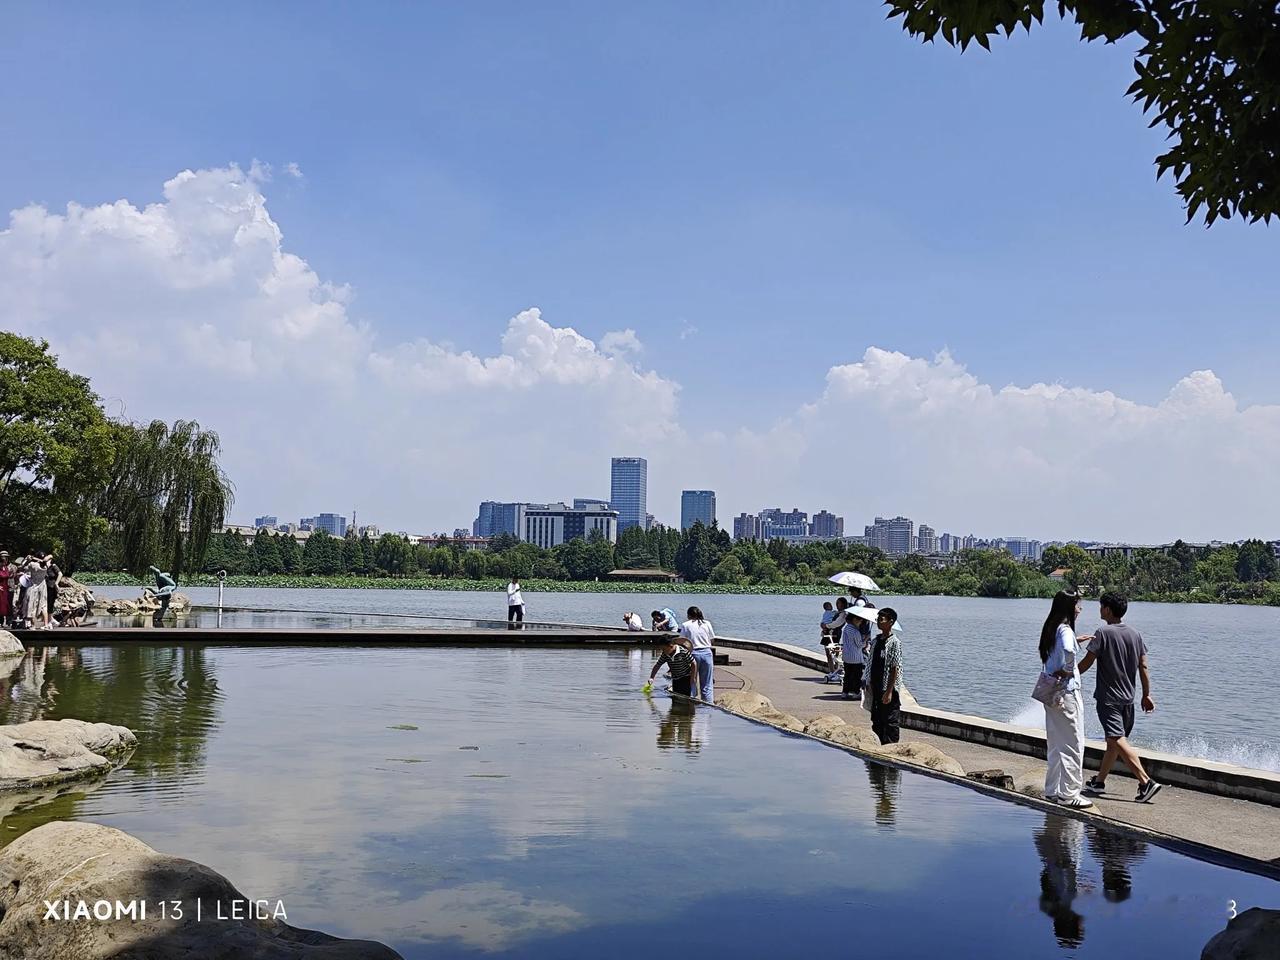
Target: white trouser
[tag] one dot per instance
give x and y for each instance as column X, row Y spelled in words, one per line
column 1064, row 736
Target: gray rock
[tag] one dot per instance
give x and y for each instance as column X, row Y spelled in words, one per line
column 825, row 726
column 75, row 862
column 44, row 752
column 1253, row 935
column 996, row 778
column 924, row 755
column 744, row 702
column 779, row 719
column 859, row 739
column 10, row 646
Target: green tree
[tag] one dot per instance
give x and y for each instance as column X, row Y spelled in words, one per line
column 548, row 568
column 353, row 555
column 1255, row 561
column 290, row 554
column 698, row 553
column 1208, row 67
column 167, row 494
column 475, row 564
column 635, row 549
column 266, row 554
column 56, row 450
column 442, row 562
column 728, row 570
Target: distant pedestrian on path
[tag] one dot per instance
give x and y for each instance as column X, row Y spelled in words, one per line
column 515, row 604
column 1064, row 714
column 699, row 633
column 681, row 665
column 854, row 646
column 828, row 615
column 1121, row 656
column 886, row 679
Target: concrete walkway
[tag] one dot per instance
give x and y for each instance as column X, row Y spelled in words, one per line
column 1237, row 827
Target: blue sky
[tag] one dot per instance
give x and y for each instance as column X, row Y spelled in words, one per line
column 761, row 191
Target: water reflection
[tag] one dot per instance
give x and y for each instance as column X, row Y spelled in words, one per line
column 1116, row 853
column 1060, row 843
column 677, row 728
column 885, row 781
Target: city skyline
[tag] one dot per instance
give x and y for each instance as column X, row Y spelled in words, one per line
column 518, row 317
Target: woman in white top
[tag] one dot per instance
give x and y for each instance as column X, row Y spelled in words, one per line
column 515, row 603
column 1064, row 715
column 699, row 635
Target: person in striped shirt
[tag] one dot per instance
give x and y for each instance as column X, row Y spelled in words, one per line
column 680, row 665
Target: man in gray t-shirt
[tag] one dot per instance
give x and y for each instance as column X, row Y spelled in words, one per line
column 1121, row 657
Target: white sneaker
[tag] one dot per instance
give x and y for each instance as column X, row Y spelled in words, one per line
column 1076, row 803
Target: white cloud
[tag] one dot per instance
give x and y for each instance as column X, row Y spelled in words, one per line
column 893, row 433
column 621, row 342
column 192, row 306
column 292, row 169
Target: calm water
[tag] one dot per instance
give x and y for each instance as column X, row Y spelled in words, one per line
column 1214, row 668
column 541, row 808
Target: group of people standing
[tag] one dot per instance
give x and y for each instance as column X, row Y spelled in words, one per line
column 868, row 668
column 1121, row 658
column 28, row 591
column 687, row 652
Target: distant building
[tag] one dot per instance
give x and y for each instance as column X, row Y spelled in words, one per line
column 894, row 537
column 827, row 526
column 926, row 539
column 496, row 518
column 697, row 506
column 370, row 530
column 649, row 521
column 947, row 543
column 330, row 523
column 266, row 522
column 629, row 491
column 581, row 503
column 1023, row 549
column 775, row 524
column 746, row 527
column 550, row 524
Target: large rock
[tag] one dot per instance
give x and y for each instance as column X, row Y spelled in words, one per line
column 779, row 719
column 824, row 727
column 1254, row 935
column 855, row 737
column 69, row 863
column 43, row 752
column 10, row 646
column 744, row 702
column 925, row 755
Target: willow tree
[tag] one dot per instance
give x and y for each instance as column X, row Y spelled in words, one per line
column 167, row 495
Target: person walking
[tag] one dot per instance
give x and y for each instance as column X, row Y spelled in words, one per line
column 886, row 679
column 700, row 635
column 1064, row 713
column 515, row 603
column 1121, row 656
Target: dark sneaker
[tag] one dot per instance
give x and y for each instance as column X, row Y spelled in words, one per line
column 1094, row 787
column 1147, row 792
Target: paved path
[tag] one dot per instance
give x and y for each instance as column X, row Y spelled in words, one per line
column 1236, row 826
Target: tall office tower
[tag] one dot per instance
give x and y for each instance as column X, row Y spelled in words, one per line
column 927, row 539
column 949, row 543
column 894, row 537
column 267, row 521
column 482, row 525
column 495, row 518
column 695, row 506
column 629, row 491
column 746, row 526
column 827, row 525
column 331, row 523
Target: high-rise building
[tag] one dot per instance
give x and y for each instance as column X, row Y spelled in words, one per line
column 331, row 523
column 629, row 491
column 650, row 521
column 894, row 537
column 550, row 524
column 827, row 525
column 495, row 518
column 697, row 506
column 1022, row 548
column 949, row 543
column 746, row 527
column 926, row 539
column 267, row 521
column 786, row 525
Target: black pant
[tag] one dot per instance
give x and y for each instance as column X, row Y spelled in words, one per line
column 515, row 614
column 885, row 717
column 683, row 686
column 853, row 678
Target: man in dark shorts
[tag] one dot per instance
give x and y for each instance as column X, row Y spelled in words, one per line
column 1121, row 656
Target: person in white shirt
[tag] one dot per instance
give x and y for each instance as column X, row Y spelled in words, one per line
column 699, row 635
column 515, row 603
column 633, row 621
column 1064, row 715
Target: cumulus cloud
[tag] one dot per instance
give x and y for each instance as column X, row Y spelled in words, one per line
column 621, row 342
column 924, row 437
column 192, row 306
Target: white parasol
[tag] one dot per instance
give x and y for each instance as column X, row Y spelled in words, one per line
column 848, row 578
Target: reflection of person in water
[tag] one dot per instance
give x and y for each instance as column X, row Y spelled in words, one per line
column 676, row 729
column 1060, row 844
column 885, row 783
column 1116, row 852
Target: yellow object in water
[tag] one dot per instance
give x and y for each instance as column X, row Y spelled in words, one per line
column 648, row 687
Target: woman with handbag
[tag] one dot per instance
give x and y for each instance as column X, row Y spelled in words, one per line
column 1059, row 690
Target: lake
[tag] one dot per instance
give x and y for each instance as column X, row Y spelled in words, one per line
column 466, row 803
column 1214, row 667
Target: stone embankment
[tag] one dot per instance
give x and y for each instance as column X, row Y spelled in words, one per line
column 837, row 731
column 68, row 864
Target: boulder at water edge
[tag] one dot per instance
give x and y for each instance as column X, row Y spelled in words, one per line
column 1254, row 935
column 69, row 862
column 824, row 727
column 10, row 646
column 924, row 755
column 43, row 752
column 744, row 702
